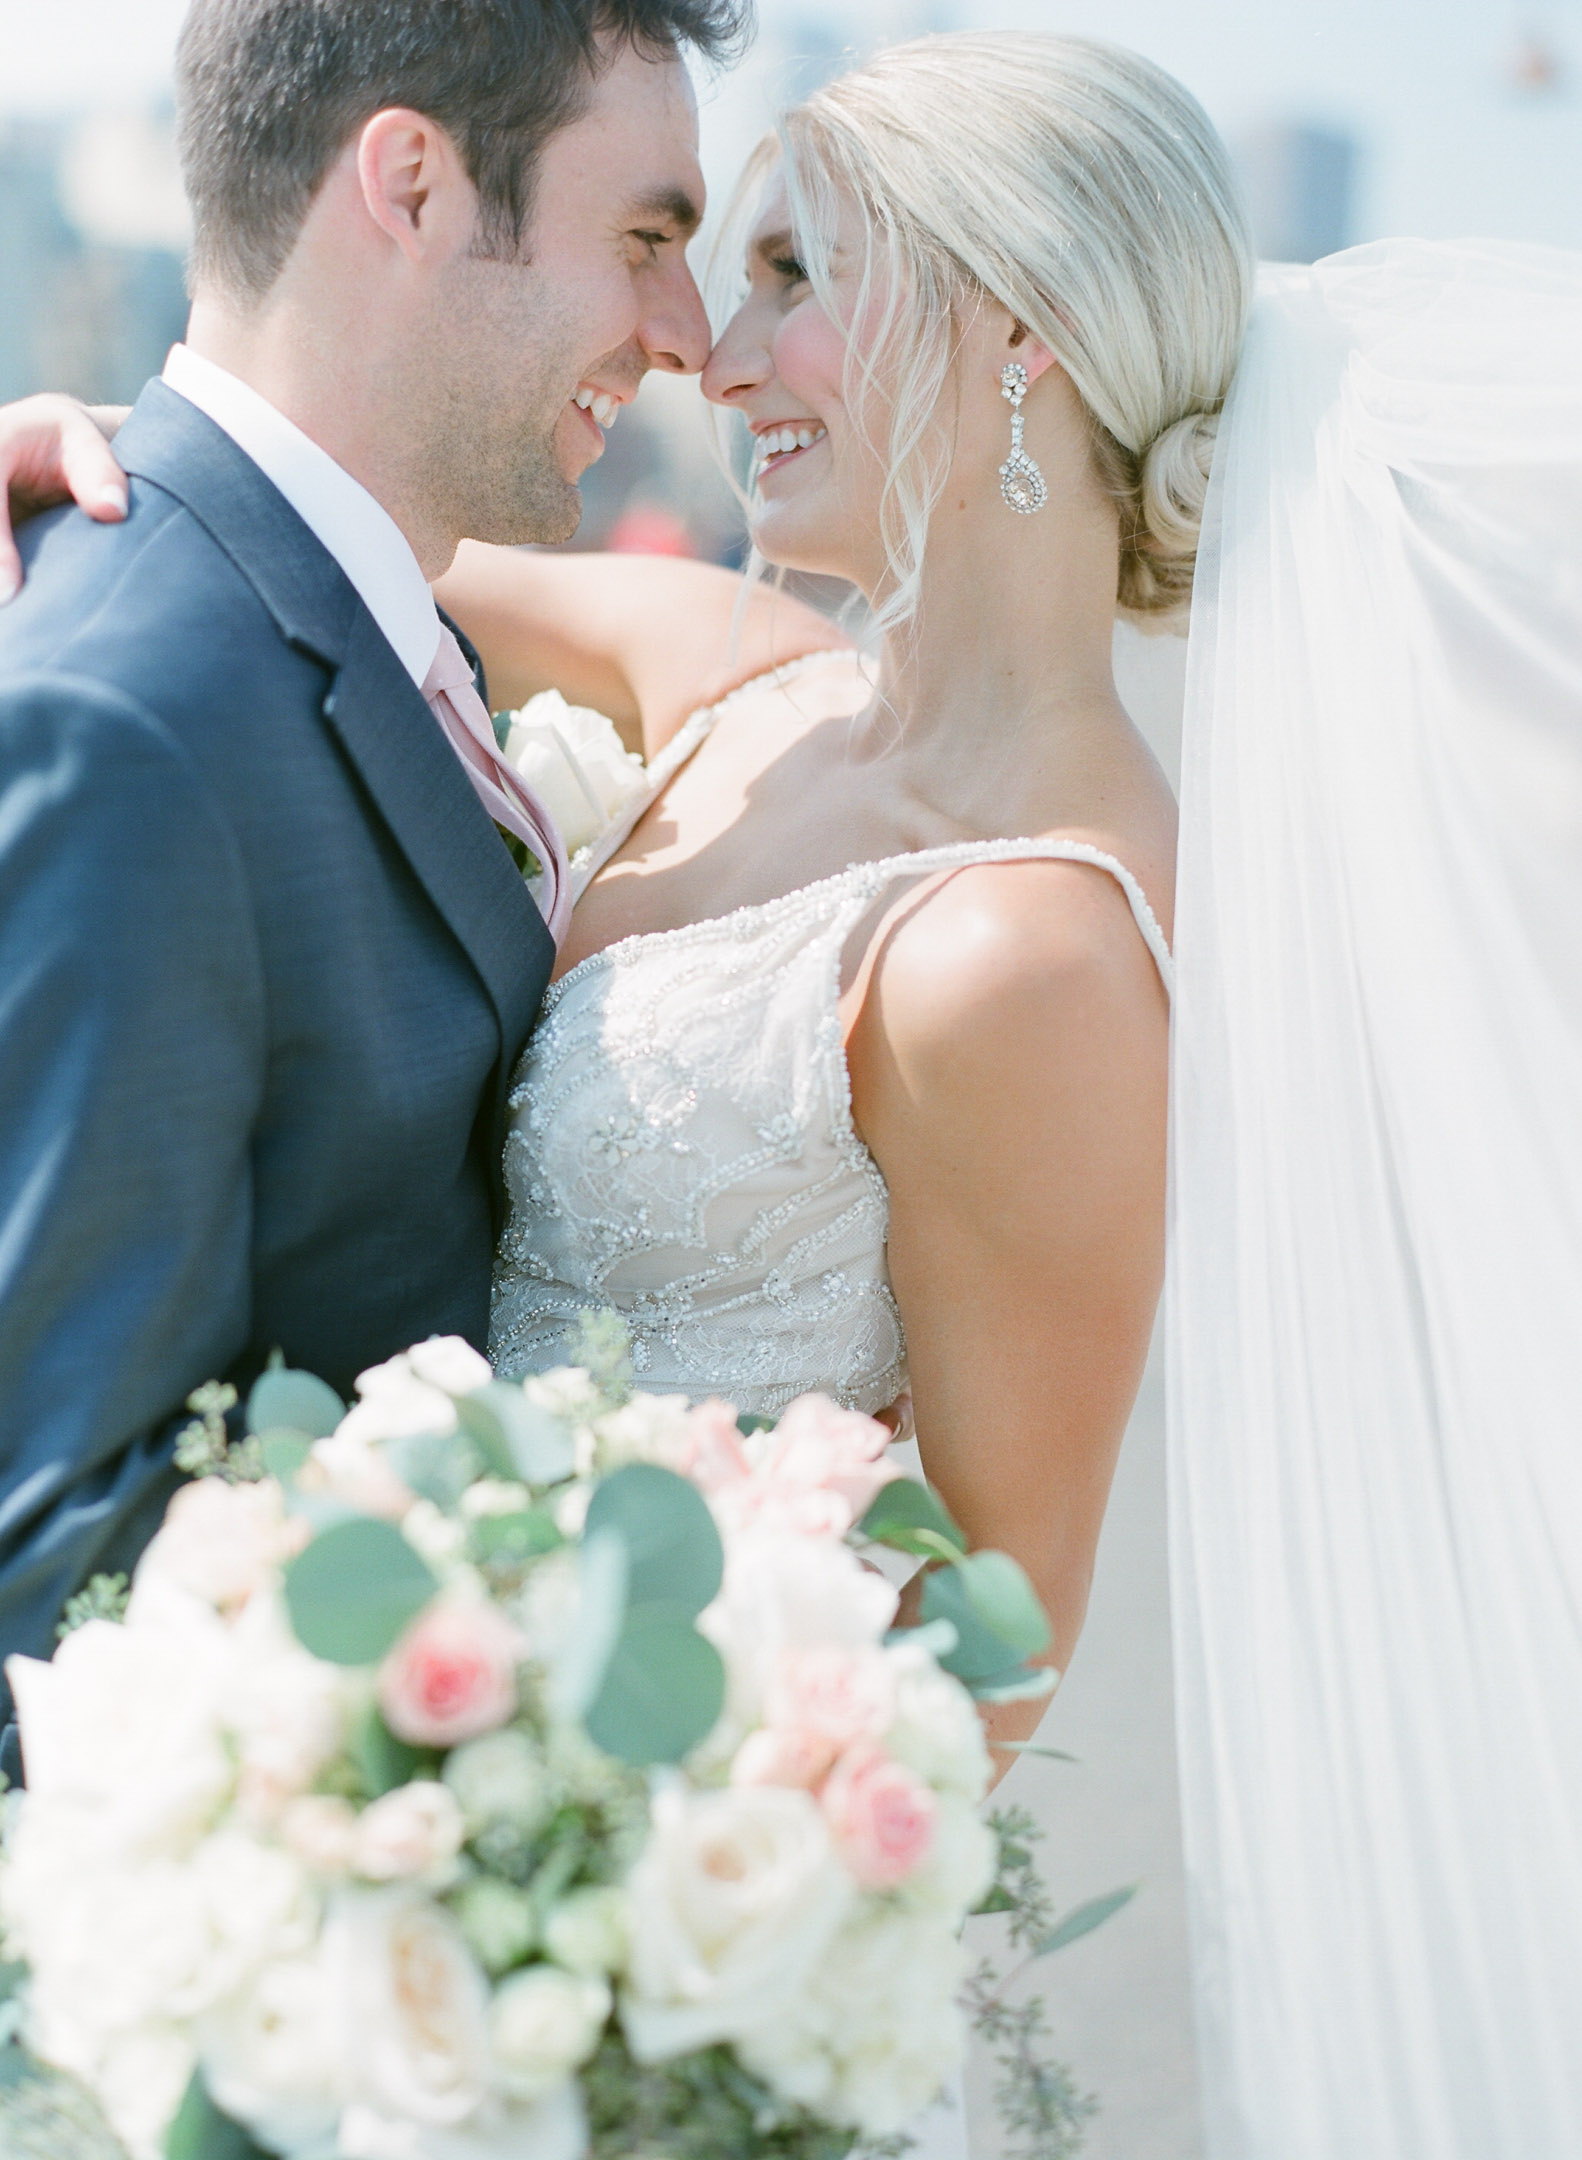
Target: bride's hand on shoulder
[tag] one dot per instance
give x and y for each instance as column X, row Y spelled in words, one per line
column 1009, row 1068
column 55, row 450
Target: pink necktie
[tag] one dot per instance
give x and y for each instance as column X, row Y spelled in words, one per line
column 454, row 701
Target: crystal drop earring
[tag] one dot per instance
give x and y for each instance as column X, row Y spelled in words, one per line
column 1021, row 482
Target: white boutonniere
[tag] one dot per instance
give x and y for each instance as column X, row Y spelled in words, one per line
column 574, row 760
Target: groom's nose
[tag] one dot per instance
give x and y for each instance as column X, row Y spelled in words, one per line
column 674, row 331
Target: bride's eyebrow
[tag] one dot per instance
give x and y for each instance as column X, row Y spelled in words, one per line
column 769, row 245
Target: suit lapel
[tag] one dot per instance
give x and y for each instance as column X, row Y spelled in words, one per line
column 409, row 770
column 423, row 794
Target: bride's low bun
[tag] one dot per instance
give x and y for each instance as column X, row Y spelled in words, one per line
column 1161, row 495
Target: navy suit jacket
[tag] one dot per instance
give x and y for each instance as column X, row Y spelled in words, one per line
column 265, row 969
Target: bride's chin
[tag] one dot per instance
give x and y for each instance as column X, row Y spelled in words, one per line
column 777, row 542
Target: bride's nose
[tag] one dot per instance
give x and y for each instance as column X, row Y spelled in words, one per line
column 740, row 362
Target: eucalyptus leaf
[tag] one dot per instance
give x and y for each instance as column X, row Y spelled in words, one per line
column 673, row 1548
column 354, row 1590
column 384, row 1762
column 1022, row 1683
column 579, row 1668
column 1084, row 1920
column 995, row 1899
column 937, row 1637
column 436, row 1466
column 910, row 1517
column 201, row 2132
column 662, row 1691
column 1026, row 1747
column 1003, row 1599
column 283, row 1400
column 749, row 1422
column 520, row 1438
column 283, row 1452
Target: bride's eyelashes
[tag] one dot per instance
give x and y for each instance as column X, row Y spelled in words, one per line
column 789, row 269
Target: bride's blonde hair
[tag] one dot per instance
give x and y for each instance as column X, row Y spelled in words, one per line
column 1086, row 191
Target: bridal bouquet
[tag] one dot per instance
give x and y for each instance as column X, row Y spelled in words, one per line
column 513, row 1770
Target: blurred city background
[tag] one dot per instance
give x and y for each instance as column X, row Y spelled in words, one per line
column 1350, row 119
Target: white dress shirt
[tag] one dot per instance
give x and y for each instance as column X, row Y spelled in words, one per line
column 361, row 535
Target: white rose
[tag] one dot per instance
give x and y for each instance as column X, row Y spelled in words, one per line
column 734, row 1900
column 321, row 1830
column 501, row 1777
column 648, row 1428
column 961, row 1862
column 139, row 2082
column 449, row 1362
column 271, row 2059
column 876, row 2032
column 494, row 1496
column 286, row 1709
column 574, row 760
column 414, row 2006
column 223, row 1542
column 396, row 1404
column 353, row 1468
column 127, row 1722
column 587, row 1931
column 554, row 2127
column 413, row 1833
column 936, row 1729
column 544, row 2022
column 785, row 1592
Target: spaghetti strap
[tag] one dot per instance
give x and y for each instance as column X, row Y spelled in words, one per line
column 929, row 862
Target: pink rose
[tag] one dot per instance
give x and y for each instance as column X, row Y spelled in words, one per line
column 830, row 1694
column 712, row 1454
column 451, row 1676
column 819, row 1445
column 881, row 1815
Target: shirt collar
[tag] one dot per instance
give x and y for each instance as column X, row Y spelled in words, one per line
column 358, row 531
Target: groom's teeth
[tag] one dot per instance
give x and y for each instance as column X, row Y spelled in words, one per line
column 584, row 398
column 604, row 409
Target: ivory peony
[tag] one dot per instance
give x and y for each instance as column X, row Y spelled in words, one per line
column 414, row 2006
column 410, row 1835
column 543, row 2023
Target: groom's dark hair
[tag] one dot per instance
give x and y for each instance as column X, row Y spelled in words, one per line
column 271, row 91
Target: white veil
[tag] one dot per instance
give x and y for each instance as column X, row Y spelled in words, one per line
column 1375, row 1316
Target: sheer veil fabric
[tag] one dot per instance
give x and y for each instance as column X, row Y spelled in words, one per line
column 1375, row 1305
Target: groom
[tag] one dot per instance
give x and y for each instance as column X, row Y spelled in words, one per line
column 267, row 954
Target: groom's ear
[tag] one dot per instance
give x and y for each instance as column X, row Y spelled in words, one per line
column 414, row 185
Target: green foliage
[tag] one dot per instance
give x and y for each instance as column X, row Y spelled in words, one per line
column 1083, row 1919
column 205, row 1448
column 505, row 1546
column 105, row 1598
column 45, row 2115
column 1020, row 1886
column 910, row 1517
column 702, row 2107
column 381, row 1760
column 517, row 1438
column 998, row 1621
column 354, row 1590
column 1041, row 2112
column 283, row 1453
column 285, row 1401
column 600, row 1344
column 662, row 1691
column 646, row 1684
column 436, row 1466
column 201, row 2132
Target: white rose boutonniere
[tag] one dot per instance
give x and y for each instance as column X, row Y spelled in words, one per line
column 574, row 760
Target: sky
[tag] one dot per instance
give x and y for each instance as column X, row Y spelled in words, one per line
column 1450, row 145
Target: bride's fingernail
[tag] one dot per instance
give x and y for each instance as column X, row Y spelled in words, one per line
column 112, row 498
column 8, row 586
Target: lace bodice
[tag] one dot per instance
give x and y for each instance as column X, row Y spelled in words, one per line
column 682, row 1151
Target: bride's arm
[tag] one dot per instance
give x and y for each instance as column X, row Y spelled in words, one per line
column 1009, row 1074
column 54, row 450
column 646, row 639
